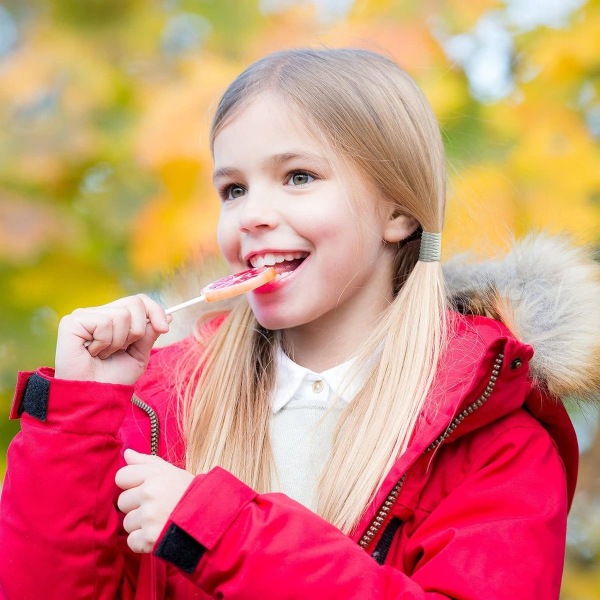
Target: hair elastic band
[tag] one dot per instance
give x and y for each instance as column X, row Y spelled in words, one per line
column 431, row 247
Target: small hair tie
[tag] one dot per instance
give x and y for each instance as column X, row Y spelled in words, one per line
column 431, row 247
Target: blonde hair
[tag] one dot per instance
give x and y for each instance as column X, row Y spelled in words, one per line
column 372, row 115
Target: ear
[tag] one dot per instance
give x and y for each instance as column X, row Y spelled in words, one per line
column 399, row 227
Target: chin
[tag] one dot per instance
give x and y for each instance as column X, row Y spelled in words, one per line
column 273, row 324
column 276, row 321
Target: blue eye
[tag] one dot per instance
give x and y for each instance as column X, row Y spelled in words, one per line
column 300, row 178
column 231, row 192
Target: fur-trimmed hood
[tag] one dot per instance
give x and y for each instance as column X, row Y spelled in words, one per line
column 545, row 290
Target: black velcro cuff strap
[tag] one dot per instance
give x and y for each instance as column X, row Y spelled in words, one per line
column 180, row 548
column 35, row 397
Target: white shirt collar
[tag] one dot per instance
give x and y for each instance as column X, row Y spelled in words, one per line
column 290, row 376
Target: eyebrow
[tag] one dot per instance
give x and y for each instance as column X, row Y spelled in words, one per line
column 276, row 160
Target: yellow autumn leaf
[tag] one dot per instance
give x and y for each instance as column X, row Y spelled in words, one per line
column 557, row 151
column 505, row 121
column 63, row 283
column 366, row 10
column 575, row 214
column 180, row 177
column 446, row 91
column 173, row 225
column 566, row 54
column 581, row 583
column 291, row 28
column 409, row 43
column 480, row 214
column 464, row 15
column 176, row 114
column 46, row 63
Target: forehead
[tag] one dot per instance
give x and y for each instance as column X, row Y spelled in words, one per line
column 268, row 122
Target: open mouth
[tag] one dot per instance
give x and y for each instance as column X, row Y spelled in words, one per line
column 283, row 263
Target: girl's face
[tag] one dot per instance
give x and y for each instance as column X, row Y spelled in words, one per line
column 284, row 204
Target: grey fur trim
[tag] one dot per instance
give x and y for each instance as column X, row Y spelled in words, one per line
column 548, row 293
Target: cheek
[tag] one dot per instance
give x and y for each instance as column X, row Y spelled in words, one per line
column 227, row 239
column 321, row 227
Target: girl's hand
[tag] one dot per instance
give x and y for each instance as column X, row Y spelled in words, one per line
column 109, row 343
column 153, row 487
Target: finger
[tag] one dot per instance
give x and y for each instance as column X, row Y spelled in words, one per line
column 140, row 349
column 148, row 323
column 129, row 500
column 130, row 476
column 96, row 328
column 137, row 458
column 103, row 329
column 139, row 321
column 132, row 521
column 155, row 313
column 138, row 317
column 121, row 323
column 137, row 541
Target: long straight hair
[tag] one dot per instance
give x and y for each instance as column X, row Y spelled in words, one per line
column 369, row 114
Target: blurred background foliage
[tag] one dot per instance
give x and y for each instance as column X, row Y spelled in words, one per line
column 105, row 182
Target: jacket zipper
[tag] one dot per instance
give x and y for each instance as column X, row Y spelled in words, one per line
column 154, row 428
column 383, row 512
column 154, row 433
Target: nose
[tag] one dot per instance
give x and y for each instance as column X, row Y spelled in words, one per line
column 258, row 213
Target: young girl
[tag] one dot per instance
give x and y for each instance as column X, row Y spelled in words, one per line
column 342, row 431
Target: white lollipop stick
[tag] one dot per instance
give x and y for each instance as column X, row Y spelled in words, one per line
column 191, row 302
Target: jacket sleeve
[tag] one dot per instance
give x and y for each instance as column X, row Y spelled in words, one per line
column 59, row 528
column 499, row 534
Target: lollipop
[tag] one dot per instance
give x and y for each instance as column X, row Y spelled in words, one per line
column 229, row 286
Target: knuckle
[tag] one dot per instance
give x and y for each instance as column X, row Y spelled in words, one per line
column 136, row 330
column 121, row 312
column 103, row 320
column 141, row 301
column 147, row 494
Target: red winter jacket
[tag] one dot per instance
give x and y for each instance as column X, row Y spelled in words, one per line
column 476, row 508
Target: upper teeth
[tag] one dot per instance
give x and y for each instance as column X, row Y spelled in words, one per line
column 269, row 259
